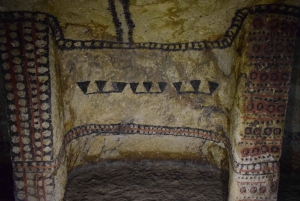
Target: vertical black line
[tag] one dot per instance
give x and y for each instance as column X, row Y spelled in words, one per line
column 130, row 23
column 118, row 24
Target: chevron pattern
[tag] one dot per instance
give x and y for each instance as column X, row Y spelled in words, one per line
column 105, row 87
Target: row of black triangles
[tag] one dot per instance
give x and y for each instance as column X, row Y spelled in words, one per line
column 148, row 85
column 195, row 84
column 119, row 86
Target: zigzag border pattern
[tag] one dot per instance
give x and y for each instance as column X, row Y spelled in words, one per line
column 118, row 87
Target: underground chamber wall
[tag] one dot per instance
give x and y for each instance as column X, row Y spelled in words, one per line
column 150, row 89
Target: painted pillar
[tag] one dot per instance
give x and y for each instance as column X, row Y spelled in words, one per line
column 29, row 73
column 258, row 116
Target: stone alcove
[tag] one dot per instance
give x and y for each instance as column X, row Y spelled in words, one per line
column 76, row 95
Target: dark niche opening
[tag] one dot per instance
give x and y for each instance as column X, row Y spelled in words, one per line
column 147, row 181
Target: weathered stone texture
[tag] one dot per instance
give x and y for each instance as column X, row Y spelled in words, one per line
column 147, row 181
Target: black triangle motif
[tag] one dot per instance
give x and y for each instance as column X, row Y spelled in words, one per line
column 83, row 86
column 100, row 85
column 162, row 86
column 118, row 86
column 195, row 84
column 212, row 86
column 133, row 86
column 147, row 85
column 177, row 86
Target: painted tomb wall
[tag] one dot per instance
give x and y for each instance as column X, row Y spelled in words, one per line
column 87, row 81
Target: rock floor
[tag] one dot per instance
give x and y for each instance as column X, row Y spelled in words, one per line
column 147, row 181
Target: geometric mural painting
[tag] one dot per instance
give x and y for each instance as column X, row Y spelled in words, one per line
column 253, row 141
